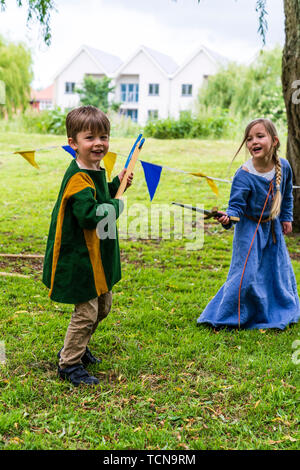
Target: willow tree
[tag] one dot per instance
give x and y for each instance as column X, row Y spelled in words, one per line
column 16, row 75
column 39, row 10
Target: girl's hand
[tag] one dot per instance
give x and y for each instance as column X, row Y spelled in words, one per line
column 129, row 179
column 287, row 227
column 224, row 220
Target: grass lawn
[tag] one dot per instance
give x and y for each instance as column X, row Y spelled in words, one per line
column 164, row 382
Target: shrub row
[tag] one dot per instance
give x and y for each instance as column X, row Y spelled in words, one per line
column 187, row 126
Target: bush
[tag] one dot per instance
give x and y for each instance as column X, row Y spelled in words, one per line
column 122, row 126
column 216, row 124
column 45, row 122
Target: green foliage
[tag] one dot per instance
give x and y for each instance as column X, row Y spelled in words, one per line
column 248, row 91
column 39, row 10
column 95, row 92
column 214, row 124
column 45, row 122
column 16, row 74
column 122, row 126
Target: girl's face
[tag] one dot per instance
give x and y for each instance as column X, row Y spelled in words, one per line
column 260, row 143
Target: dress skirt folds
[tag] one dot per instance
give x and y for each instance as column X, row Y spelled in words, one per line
column 268, row 293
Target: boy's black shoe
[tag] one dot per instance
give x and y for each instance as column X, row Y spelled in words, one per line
column 87, row 358
column 77, row 374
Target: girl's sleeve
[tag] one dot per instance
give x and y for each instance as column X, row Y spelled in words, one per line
column 113, row 186
column 286, row 213
column 239, row 193
column 89, row 212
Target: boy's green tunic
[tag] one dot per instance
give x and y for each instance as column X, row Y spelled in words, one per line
column 78, row 265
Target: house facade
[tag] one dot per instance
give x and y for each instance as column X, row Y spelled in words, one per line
column 149, row 85
column 42, row 99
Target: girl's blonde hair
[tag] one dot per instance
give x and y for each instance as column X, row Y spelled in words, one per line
column 271, row 129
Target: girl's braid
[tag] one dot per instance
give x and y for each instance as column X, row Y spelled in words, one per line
column 276, row 205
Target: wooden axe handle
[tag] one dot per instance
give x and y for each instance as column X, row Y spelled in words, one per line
column 129, row 170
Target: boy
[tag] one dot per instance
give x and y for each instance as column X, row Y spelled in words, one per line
column 80, row 266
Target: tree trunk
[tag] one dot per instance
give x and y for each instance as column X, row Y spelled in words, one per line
column 291, row 93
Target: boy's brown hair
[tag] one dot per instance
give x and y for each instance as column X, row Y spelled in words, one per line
column 87, row 118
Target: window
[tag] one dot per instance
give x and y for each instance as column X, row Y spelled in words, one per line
column 186, row 89
column 153, row 89
column 46, row 104
column 129, row 92
column 152, row 114
column 69, row 87
column 130, row 113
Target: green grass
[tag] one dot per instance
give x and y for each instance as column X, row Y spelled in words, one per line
column 164, row 382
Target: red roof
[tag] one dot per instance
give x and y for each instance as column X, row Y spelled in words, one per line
column 43, row 95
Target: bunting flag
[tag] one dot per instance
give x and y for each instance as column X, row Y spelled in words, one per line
column 152, row 172
column 210, row 182
column 29, row 156
column 152, row 176
column 69, row 149
column 109, row 162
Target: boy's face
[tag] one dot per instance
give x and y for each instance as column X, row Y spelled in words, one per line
column 90, row 148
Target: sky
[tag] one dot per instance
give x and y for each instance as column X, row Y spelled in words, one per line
column 174, row 27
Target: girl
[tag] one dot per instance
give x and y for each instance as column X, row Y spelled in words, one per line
column 260, row 290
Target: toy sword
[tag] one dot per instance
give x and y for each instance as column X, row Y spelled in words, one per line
column 207, row 214
column 129, row 165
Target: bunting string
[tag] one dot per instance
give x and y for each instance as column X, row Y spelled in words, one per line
column 152, row 172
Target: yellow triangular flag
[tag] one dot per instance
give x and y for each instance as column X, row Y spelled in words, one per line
column 109, row 162
column 29, row 156
column 211, row 183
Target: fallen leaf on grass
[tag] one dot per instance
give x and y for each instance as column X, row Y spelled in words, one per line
column 287, row 423
column 183, row 446
column 285, row 438
column 15, row 440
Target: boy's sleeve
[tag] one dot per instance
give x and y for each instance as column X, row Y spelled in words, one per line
column 239, row 193
column 113, row 186
column 88, row 212
column 286, row 213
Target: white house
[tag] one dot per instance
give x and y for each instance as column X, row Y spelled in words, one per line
column 148, row 85
column 86, row 61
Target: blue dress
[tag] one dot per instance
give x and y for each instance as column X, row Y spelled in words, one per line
column 268, row 295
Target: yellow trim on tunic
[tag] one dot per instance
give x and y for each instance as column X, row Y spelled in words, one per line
column 77, row 183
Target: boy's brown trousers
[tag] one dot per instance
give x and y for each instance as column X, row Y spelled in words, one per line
column 83, row 324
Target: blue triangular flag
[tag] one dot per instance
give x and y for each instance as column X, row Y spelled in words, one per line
column 152, row 176
column 69, row 149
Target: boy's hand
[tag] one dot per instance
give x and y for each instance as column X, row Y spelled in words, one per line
column 224, row 219
column 287, row 227
column 129, row 179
